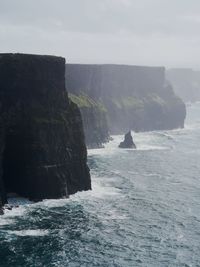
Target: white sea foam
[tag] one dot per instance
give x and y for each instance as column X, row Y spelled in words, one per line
column 109, row 149
column 116, row 215
column 18, row 201
column 51, row 203
column 149, row 148
column 20, row 207
column 5, row 221
column 29, row 232
column 18, row 211
column 99, row 190
column 143, row 141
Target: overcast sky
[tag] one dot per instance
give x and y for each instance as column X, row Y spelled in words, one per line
column 138, row 32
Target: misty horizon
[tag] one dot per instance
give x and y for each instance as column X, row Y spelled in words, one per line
column 144, row 33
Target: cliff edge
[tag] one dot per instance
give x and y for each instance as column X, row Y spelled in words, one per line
column 42, row 148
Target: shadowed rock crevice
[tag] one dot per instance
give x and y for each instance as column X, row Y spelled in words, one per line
column 42, row 148
column 13, row 162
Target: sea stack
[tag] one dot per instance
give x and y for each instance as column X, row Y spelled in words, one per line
column 42, row 148
column 128, row 141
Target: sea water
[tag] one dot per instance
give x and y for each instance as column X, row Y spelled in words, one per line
column 144, row 209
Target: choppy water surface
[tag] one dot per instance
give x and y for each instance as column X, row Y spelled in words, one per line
column 144, row 209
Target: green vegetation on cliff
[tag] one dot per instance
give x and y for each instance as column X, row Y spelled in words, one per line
column 94, row 116
column 128, row 102
column 84, row 101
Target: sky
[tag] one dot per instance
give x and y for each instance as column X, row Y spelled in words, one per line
column 136, row 32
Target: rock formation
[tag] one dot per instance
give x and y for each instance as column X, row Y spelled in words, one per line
column 128, row 141
column 136, row 98
column 42, row 149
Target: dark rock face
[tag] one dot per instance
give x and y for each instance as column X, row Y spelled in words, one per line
column 93, row 110
column 128, row 141
column 42, row 149
column 186, row 83
column 94, row 118
column 136, row 98
column 95, row 127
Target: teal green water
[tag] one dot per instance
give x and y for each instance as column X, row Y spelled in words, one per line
column 144, row 209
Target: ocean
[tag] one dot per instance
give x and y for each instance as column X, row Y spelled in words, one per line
column 144, row 209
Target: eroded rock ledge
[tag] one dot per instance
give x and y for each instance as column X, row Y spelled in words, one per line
column 42, row 148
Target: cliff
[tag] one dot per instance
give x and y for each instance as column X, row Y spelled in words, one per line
column 136, row 98
column 42, row 149
column 94, row 117
column 186, row 83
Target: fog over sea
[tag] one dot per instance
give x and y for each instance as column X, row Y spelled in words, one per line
column 144, row 209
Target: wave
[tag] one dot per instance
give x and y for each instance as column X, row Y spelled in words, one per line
column 151, row 148
column 164, row 134
column 15, row 201
column 29, row 232
column 5, row 221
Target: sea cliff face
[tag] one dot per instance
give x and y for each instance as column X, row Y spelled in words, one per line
column 186, row 83
column 94, row 117
column 42, row 149
column 135, row 98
